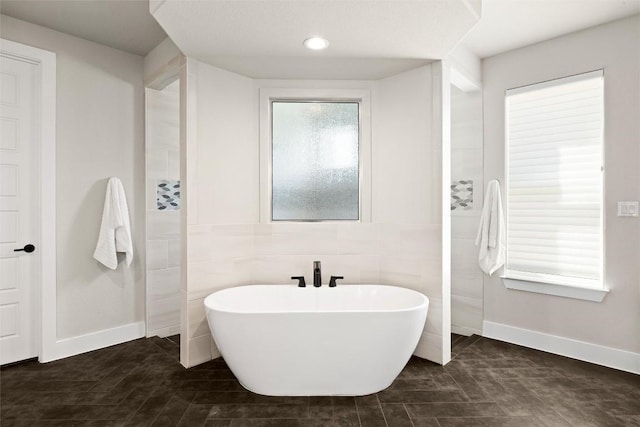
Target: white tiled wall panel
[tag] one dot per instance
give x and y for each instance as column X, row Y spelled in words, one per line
column 220, row 274
column 173, row 165
column 430, row 346
column 197, row 319
column 292, row 239
column 464, row 224
column 200, row 349
column 357, row 239
column 466, row 164
column 464, row 260
column 410, row 240
column 163, row 313
column 157, row 163
column 163, row 283
column 391, row 254
column 220, row 242
column 173, row 253
column 163, row 227
column 157, row 254
column 434, row 321
column 466, row 312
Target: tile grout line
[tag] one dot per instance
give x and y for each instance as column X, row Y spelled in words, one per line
column 109, row 372
column 145, row 401
column 183, row 414
column 308, row 406
column 384, row 417
column 458, row 385
column 560, row 415
column 467, row 346
column 404, row 406
column 355, row 402
column 554, row 410
column 157, row 346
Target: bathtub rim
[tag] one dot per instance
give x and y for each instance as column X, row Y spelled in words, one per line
column 424, row 301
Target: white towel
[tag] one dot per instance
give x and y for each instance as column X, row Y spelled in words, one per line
column 491, row 233
column 115, row 230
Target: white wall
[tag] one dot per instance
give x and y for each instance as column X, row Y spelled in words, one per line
column 615, row 322
column 99, row 134
column 227, row 245
column 466, row 165
column 162, row 147
column 228, row 167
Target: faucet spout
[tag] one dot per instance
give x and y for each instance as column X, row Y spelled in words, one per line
column 317, row 275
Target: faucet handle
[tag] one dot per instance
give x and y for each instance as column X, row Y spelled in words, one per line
column 300, row 279
column 332, row 281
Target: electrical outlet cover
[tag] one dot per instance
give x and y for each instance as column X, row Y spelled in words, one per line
column 628, row 208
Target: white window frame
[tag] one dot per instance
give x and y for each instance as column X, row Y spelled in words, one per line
column 539, row 282
column 362, row 97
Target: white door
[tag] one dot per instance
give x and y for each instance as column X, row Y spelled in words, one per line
column 19, row 208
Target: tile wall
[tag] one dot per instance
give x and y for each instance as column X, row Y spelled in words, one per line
column 163, row 210
column 466, row 206
column 242, row 254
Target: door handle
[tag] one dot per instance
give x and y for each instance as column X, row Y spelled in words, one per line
column 27, row 248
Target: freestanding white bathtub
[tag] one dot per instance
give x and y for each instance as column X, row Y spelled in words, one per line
column 282, row 340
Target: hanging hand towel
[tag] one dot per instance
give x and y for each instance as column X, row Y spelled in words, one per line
column 491, row 233
column 115, row 230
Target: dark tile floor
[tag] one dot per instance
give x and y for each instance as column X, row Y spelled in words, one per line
column 488, row 383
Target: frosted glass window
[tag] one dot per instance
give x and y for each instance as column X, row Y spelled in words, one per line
column 555, row 181
column 315, row 173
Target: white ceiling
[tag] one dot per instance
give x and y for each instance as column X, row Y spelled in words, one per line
column 263, row 39
column 318, row 68
column 122, row 24
column 511, row 24
column 369, row 38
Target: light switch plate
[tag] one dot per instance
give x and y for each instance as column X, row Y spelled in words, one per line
column 628, row 208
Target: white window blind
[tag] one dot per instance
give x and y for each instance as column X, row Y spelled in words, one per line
column 554, row 181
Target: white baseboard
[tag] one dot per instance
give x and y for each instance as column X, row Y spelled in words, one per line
column 593, row 353
column 463, row 330
column 96, row 340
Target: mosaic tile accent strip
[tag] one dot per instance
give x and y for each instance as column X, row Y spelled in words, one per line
column 462, row 195
column 168, row 195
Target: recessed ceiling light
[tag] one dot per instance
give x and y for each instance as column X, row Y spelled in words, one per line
column 316, row 43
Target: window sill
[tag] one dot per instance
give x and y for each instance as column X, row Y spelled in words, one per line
column 567, row 291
